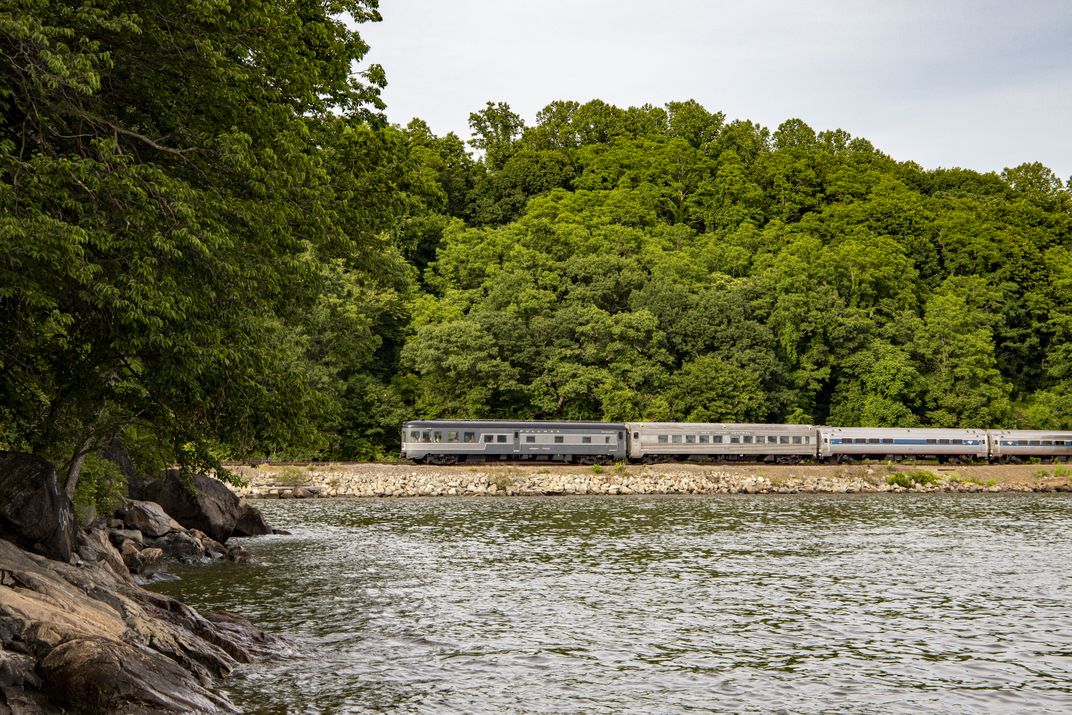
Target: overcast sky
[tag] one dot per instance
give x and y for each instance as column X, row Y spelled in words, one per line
column 980, row 84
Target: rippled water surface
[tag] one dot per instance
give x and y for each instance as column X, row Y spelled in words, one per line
column 840, row 603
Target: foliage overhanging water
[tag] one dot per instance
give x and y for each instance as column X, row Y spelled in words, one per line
column 865, row 603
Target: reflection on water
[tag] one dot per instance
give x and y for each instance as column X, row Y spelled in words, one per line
column 862, row 603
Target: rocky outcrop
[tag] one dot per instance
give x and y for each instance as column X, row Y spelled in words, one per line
column 209, row 507
column 78, row 634
column 99, row 643
column 34, row 512
column 144, row 537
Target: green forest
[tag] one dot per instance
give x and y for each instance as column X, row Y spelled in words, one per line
column 216, row 244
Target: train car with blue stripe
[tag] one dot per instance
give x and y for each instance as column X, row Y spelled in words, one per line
column 669, row 441
column 892, row 443
column 455, row 441
column 1020, row 445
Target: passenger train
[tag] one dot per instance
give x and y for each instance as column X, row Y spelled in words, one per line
column 455, row 441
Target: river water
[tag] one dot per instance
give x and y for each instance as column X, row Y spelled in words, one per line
column 764, row 603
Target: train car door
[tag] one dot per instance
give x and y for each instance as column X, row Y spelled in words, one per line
column 517, row 442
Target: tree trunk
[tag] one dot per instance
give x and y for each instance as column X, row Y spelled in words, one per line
column 75, row 468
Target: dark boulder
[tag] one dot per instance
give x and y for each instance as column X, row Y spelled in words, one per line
column 179, row 546
column 148, row 562
column 210, row 506
column 101, row 675
column 20, row 686
column 121, row 536
column 212, row 548
column 94, row 546
column 250, row 522
column 17, row 670
column 34, row 511
column 148, row 518
column 239, row 555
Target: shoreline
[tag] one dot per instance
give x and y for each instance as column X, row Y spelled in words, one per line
column 386, row 480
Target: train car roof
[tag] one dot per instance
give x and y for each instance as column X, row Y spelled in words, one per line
column 507, row 424
column 1033, row 433
column 717, row 425
column 922, row 430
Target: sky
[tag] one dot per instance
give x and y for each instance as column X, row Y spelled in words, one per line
column 979, row 84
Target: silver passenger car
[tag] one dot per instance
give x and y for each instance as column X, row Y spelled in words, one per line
column 655, row 441
column 1018, row 445
column 453, row 441
column 848, row 443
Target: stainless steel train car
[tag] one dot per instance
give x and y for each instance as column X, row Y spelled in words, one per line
column 1021, row 445
column 847, row 443
column 453, row 441
column 659, row 441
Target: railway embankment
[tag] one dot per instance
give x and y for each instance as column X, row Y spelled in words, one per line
column 320, row 480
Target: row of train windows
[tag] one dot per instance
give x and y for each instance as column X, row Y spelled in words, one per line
column 559, row 439
column 734, row 439
column 451, row 437
column 889, row 440
column 1037, row 443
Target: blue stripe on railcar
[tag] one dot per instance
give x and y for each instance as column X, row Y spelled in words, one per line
column 849, row 440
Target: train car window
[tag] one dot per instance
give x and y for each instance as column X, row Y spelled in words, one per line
column 932, row 441
column 748, row 439
column 500, row 438
column 690, row 439
column 414, row 435
column 1033, row 443
column 956, row 441
column 663, row 439
column 490, row 437
column 437, row 436
column 636, row 435
column 887, row 440
column 807, row 439
column 784, row 439
column 469, row 437
column 529, row 439
column 717, row 439
column 606, row 440
column 558, row 439
column 704, row 439
column 452, row 436
column 586, row 440
column 943, row 441
column 872, row 440
column 1059, row 443
column 796, row 439
column 675, row 439
column 735, row 440
column 1047, row 443
column 426, row 436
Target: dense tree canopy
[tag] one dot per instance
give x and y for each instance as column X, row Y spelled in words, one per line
column 660, row 263
column 175, row 180
column 212, row 243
